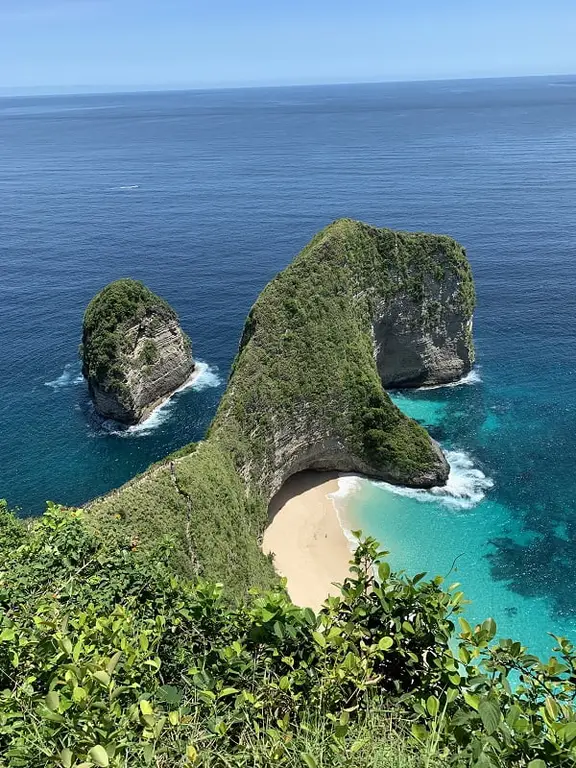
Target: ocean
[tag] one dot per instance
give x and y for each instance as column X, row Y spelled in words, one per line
column 206, row 195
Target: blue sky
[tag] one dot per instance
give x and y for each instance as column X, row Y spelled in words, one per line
column 203, row 43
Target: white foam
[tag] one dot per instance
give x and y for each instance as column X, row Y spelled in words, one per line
column 70, row 376
column 471, row 378
column 126, row 187
column 466, row 486
column 347, row 485
column 204, row 377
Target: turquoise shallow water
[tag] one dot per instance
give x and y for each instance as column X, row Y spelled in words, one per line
column 463, row 531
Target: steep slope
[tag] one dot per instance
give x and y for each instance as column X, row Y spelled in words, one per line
column 134, row 351
column 306, row 392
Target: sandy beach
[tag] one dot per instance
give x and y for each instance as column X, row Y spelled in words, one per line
column 305, row 536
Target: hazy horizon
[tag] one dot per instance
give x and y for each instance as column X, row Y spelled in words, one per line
column 86, row 90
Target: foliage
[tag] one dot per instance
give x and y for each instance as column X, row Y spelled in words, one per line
column 108, row 659
column 149, row 353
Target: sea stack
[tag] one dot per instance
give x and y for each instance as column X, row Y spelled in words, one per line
column 134, row 352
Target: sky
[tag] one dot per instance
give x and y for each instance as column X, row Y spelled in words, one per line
column 122, row 44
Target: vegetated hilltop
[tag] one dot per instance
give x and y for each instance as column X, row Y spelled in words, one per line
column 357, row 307
column 134, row 352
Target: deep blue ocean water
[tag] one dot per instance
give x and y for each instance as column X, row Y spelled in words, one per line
column 206, row 195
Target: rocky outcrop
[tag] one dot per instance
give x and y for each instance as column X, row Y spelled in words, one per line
column 135, row 354
column 424, row 340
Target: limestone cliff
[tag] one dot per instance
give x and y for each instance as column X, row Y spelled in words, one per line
column 424, row 339
column 359, row 308
column 134, row 352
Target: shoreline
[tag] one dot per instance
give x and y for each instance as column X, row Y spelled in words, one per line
column 153, row 407
column 307, row 539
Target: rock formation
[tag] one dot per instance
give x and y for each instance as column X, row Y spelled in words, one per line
column 424, row 340
column 359, row 309
column 134, row 353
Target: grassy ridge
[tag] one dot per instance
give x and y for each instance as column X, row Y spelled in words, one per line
column 199, row 500
column 304, row 392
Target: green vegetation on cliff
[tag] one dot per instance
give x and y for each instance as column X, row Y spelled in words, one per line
column 304, row 393
column 119, row 302
column 108, row 659
column 307, row 354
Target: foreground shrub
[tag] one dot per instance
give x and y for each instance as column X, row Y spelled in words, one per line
column 107, row 659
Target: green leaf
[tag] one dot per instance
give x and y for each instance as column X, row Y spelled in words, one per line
column 552, row 708
column 111, row 666
column 464, row 626
column 489, row 626
column 66, row 758
column 99, row 756
column 536, row 764
column 513, row 714
column 383, row 571
column 146, row 707
column 309, row 616
column 79, row 694
column 432, row 705
column 452, row 694
column 568, row 732
column 102, row 677
column 472, row 700
column 420, row 732
column 490, row 715
column 53, row 701
column 191, row 753
column 385, row 643
column 320, row 639
column 228, row 692
column 309, row 760
column 358, row 745
column 170, row 695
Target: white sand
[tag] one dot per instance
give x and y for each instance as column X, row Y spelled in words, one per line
column 306, row 538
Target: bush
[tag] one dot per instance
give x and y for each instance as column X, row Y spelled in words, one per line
column 107, row 659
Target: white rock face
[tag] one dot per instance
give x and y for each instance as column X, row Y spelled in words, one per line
column 156, row 359
column 423, row 342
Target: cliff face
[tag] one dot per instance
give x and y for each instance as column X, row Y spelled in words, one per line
column 359, row 308
column 134, row 352
column 424, row 340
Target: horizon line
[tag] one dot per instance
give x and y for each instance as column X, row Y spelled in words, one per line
column 101, row 89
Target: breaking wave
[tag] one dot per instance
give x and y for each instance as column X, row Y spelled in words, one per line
column 70, row 376
column 205, row 378
column 471, row 378
column 466, row 486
